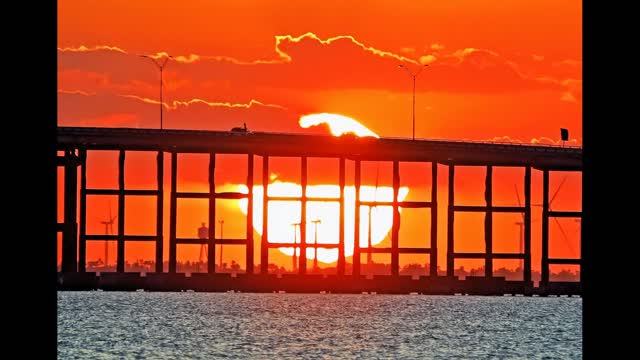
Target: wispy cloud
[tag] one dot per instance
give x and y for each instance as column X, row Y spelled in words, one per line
column 177, row 103
column 543, row 140
column 467, row 69
column 83, row 48
column 179, row 58
column 310, row 35
column 75, row 92
column 427, row 59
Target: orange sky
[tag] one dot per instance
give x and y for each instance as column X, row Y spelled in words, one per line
column 510, row 71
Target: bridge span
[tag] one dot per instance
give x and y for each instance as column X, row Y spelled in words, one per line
column 75, row 142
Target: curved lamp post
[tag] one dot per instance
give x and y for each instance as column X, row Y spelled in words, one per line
column 160, row 67
column 413, row 76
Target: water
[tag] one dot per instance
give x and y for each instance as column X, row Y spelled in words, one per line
column 189, row 325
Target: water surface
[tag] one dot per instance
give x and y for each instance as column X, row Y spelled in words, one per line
column 188, row 325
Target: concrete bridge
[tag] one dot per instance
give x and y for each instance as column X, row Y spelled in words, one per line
column 76, row 142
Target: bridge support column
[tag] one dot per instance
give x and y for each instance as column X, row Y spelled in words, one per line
column 341, row 249
column 264, row 241
column 450, row 218
column 544, row 271
column 395, row 230
column 211, row 241
column 488, row 223
column 172, row 213
column 160, row 212
column 82, row 261
column 121, row 204
column 69, row 235
column 249, row 247
column 527, row 225
column 356, row 221
column 302, row 260
column 433, row 261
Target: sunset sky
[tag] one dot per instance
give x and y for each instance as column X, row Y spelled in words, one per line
column 500, row 71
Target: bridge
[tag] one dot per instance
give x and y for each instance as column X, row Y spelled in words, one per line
column 75, row 142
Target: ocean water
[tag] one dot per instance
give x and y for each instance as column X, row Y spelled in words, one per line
column 188, row 325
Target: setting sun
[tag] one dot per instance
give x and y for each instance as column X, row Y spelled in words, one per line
column 338, row 124
column 283, row 214
column 282, row 226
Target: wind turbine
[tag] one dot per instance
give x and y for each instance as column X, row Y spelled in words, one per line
column 564, row 234
column 315, row 242
column 108, row 230
column 521, row 225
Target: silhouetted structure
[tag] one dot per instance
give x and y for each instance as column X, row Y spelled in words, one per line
column 240, row 129
column 108, row 230
column 221, row 222
column 203, row 233
column 75, row 142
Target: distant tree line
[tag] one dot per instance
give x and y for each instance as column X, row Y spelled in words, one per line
column 414, row 269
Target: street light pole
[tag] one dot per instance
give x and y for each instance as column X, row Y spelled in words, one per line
column 413, row 111
column 161, row 67
column 315, row 242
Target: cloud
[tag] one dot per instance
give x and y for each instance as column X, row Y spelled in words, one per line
column 83, row 48
column 180, row 58
column 77, row 108
column 372, row 50
column 568, row 96
column 504, row 139
column 436, row 46
column 543, row 140
column 75, row 92
column 176, row 103
column 427, row 59
column 306, row 62
column 568, row 62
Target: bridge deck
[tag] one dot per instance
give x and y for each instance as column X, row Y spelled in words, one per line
column 280, row 144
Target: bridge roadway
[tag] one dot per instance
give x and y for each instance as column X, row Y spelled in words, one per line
column 76, row 141
column 463, row 153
